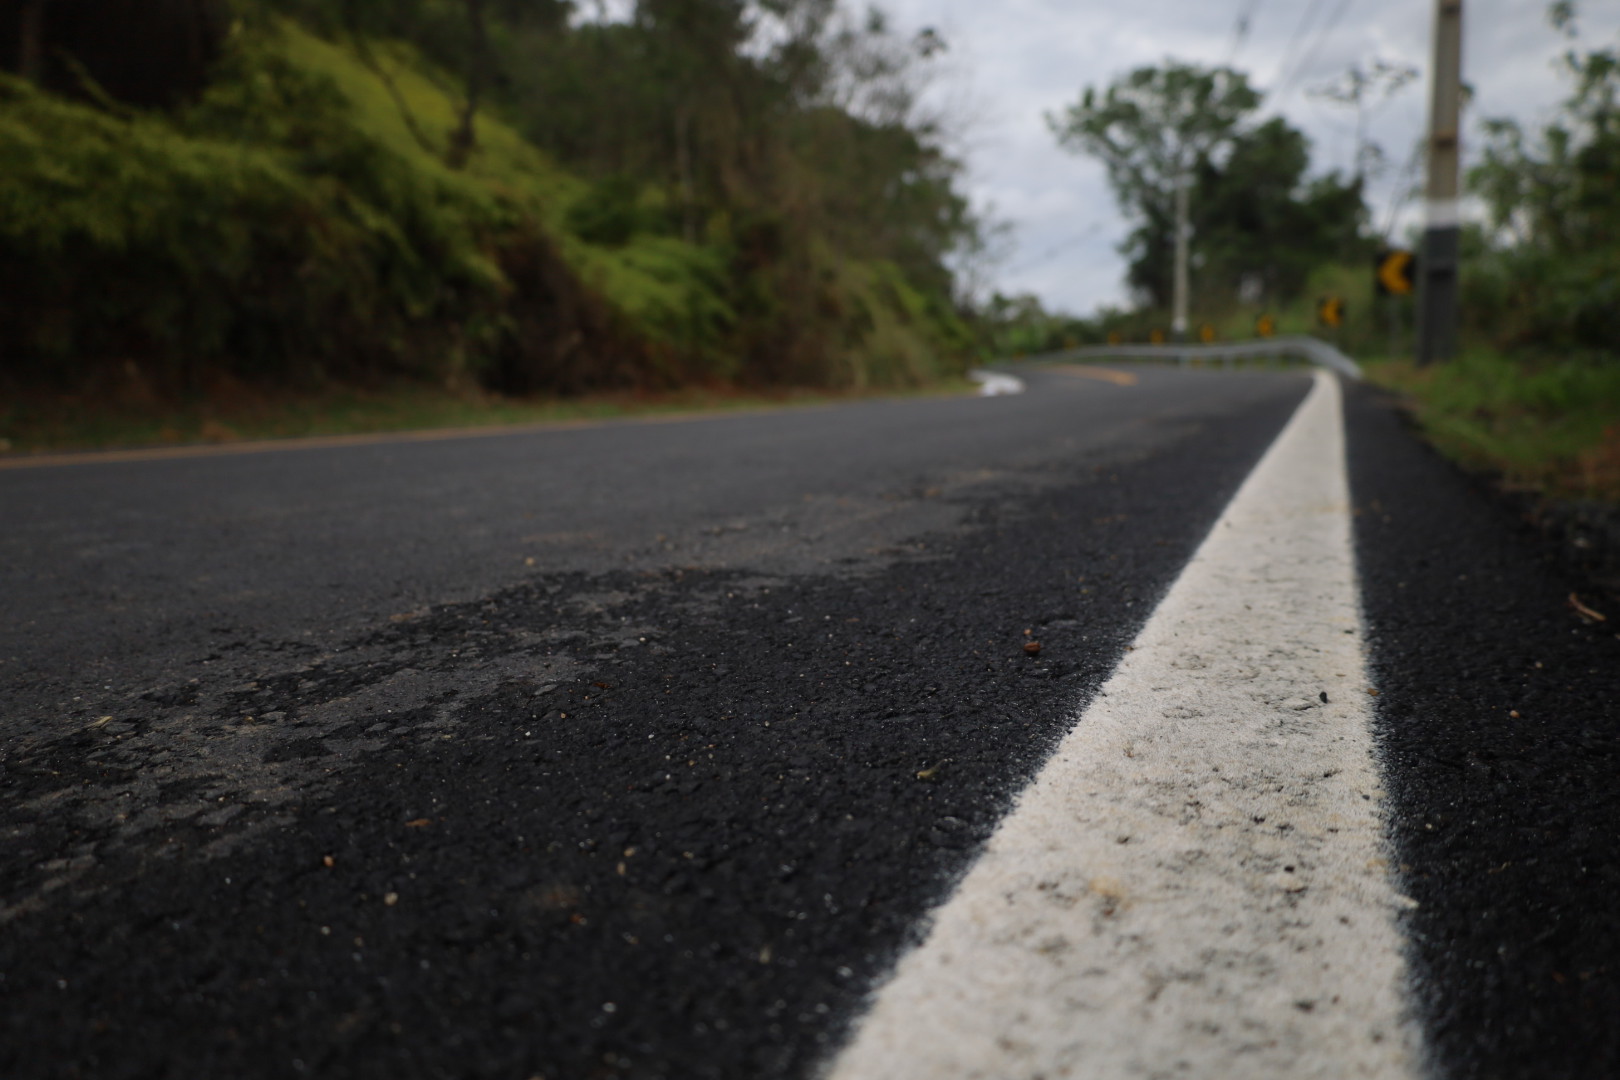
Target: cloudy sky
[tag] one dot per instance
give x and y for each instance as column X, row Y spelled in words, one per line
column 1012, row 60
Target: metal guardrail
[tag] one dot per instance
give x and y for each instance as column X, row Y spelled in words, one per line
column 1304, row 348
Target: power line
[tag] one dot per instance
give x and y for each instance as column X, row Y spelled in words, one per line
column 1300, row 31
column 1057, row 249
column 1310, row 54
column 1240, row 30
column 1403, row 188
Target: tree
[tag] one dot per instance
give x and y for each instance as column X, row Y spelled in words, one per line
column 1549, row 274
column 1260, row 223
column 1263, row 225
column 1153, row 125
column 1151, row 129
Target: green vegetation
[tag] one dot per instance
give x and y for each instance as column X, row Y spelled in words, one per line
column 1261, row 224
column 1545, row 271
column 1551, row 426
column 477, row 196
column 129, row 414
column 1535, row 397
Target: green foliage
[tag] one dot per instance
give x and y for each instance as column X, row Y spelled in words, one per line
column 309, row 216
column 1547, row 423
column 1020, row 326
column 1259, row 225
column 1153, row 125
column 1153, row 128
column 1546, row 271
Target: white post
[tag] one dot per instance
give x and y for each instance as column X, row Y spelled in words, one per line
column 1178, row 318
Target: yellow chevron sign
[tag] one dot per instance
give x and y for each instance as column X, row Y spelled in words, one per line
column 1265, row 326
column 1394, row 272
column 1330, row 311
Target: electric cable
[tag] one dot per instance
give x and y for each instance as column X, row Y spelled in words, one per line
column 1310, row 54
column 1241, row 29
column 1300, row 31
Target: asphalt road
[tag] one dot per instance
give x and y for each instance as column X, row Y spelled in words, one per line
column 644, row 749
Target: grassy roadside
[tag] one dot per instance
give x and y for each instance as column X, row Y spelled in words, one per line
column 44, row 423
column 1549, row 426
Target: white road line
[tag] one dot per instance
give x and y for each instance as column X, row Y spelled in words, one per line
column 996, row 383
column 1195, row 883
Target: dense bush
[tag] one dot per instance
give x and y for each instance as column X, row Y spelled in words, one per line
column 303, row 218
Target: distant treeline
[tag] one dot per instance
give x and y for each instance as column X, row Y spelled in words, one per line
column 506, row 192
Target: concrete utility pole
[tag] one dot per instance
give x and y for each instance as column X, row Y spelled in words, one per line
column 1437, row 268
column 1178, row 315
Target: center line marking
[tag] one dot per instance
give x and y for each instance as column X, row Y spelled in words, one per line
column 1195, row 884
column 1118, row 378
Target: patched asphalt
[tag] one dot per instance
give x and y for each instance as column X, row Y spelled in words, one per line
column 663, row 820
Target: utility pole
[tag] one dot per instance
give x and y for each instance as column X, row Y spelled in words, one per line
column 1437, row 269
column 1178, row 315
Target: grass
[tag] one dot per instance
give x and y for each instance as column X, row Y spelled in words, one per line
column 1549, row 425
column 232, row 412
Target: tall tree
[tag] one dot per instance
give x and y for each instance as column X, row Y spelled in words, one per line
column 1152, row 127
column 1263, row 225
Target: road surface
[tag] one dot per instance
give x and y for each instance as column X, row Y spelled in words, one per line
column 657, row 749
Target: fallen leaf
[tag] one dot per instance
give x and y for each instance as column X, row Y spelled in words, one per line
column 1585, row 612
column 418, row 823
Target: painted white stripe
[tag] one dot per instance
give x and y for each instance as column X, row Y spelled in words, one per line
column 996, row 383
column 1194, row 885
column 1442, row 213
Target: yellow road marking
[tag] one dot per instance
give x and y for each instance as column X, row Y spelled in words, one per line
column 1118, row 378
column 377, row 438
